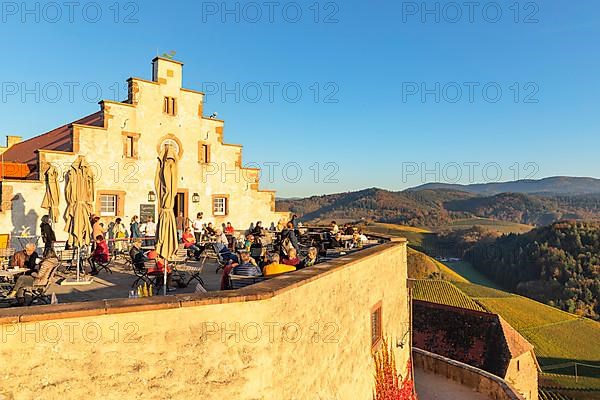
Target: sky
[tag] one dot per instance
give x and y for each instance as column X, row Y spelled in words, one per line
column 333, row 96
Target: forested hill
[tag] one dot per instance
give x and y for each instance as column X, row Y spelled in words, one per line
column 557, row 264
column 438, row 207
column 556, row 184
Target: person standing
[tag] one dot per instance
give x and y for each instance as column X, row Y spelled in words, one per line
column 134, row 228
column 48, row 236
column 151, row 231
column 120, row 233
column 180, row 223
column 197, row 226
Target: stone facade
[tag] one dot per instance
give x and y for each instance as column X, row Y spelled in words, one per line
column 122, row 147
column 304, row 335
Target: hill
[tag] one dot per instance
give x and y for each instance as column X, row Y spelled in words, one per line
column 555, row 185
column 442, row 207
column 557, row 265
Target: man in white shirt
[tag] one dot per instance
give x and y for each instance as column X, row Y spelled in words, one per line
column 150, row 232
column 197, row 227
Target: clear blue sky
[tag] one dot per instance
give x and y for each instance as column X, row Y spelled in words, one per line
column 369, row 60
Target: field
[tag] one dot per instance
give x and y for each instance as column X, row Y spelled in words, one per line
column 443, row 292
column 417, row 237
column 466, row 270
column 500, row 226
column 559, row 338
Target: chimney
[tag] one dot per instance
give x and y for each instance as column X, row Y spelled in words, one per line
column 167, row 72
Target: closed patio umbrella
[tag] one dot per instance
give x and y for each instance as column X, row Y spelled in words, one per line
column 79, row 194
column 51, row 198
column 165, row 183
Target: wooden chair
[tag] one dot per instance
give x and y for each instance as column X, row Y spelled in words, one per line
column 67, row 260
column 5, row 256
column 39, row 292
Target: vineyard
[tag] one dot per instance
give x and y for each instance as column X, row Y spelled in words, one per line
column 559, row 338
column 548, row 395
column 443, row 292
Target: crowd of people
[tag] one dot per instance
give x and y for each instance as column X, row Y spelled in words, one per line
column 249, row 254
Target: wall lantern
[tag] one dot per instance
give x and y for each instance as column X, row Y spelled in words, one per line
column 195, row 198
column 151, row 197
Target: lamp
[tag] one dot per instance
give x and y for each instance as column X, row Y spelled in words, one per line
column 151, row 196
column 195, row 198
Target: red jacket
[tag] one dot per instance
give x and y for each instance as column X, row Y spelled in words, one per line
column 101, row 253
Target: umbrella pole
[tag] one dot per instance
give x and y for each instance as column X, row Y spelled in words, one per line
column 78, row 261
column 165, row 278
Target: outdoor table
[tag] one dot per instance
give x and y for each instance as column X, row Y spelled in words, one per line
column 12, row 274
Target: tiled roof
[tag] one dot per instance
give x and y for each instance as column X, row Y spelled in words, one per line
column 59, row 139
column 516, row 343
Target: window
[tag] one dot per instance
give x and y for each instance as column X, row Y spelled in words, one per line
column 169, row 106
column 204, row 153
column 518, row 365
column 108, row 205
column 129, row 150
column 376, row 329
column 220, row 205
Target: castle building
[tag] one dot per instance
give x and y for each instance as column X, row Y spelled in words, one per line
column 121, row 143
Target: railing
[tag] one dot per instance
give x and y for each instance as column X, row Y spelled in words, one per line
column 481, row 381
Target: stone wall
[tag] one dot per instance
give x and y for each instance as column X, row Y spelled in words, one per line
column 483, row 382
column 304, row 335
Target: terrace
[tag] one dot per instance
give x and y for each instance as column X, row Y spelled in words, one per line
column 120, row 281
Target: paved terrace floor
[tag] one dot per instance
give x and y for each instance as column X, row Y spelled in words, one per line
column 118, row 284
column 436, row 387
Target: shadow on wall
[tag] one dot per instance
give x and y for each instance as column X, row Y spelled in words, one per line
column 22, row 222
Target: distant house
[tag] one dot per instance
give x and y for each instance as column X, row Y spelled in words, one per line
column 449, row 323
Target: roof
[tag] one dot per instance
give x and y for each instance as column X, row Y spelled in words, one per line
column 517, row 344
column 59, row 139
column 443, row 292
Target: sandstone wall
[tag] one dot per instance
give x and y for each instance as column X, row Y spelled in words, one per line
column 305, row 335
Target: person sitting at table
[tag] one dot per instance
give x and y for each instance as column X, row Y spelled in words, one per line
column 210, row 231
column 189, row 243
column 349, row 230
column 257, row 230
column 100, row 255
column 275, row 268
column 247, row 266
column 26, row 258
column 38, row 278
column 292, row 258
column 334, row 228
column 336, row 241
column 229, row 229
column 222, row 246
column 249, row 242
column 310, row 260
column 159, row 271
column 137, row 254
